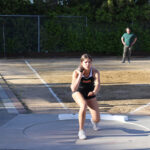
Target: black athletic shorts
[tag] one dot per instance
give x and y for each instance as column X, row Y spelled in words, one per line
column 85, row 95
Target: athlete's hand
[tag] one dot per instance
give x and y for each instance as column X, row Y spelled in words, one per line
column 91, row 93
column 80, row 72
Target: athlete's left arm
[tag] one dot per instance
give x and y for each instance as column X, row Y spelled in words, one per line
column 96, row 75
column 96, row 82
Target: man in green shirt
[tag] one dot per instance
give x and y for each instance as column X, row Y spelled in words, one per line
column 128, row 40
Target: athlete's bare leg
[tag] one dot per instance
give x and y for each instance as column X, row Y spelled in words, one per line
column 94, row 109
column 78, row 98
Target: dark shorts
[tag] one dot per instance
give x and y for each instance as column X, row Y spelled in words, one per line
column 85, row 95
column 88, row 97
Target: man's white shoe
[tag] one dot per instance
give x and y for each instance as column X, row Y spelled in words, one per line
column 95, row 125
column 82, row 135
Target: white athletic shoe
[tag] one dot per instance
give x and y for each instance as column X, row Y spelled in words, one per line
column 95, row 125
column 82, row 135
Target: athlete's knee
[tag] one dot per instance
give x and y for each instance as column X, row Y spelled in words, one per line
column 96, row 119
column 83, row 107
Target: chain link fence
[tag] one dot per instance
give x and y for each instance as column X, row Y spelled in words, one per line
column 27, row 35
column 34, row 35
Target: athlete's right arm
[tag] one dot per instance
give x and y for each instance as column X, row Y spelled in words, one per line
column 76, row 78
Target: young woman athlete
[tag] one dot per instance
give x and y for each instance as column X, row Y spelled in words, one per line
column 85, row 85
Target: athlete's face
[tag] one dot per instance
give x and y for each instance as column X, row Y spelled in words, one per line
column 86, row 63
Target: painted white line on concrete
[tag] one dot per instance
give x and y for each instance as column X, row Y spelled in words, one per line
column 121, row 118
column 139, row 108
column 139, row 125
column 46, row 85
column 7, row 102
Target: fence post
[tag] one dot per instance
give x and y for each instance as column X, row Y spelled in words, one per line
column 4, row 40
column 38, row 34
column 86, row 24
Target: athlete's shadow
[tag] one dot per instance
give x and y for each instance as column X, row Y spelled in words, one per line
column 119, row 133
column 131, row 132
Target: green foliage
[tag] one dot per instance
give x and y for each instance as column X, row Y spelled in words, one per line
column 20, row 34
column 107, row 20
column 14, row 7
column 61, row 36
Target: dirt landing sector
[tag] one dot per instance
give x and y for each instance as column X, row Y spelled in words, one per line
column 124, row 87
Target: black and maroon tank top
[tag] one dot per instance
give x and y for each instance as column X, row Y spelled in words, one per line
column 87, row 83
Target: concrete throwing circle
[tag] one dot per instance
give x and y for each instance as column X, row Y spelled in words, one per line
column 111, row 133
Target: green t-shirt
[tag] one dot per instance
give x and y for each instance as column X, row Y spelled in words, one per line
column 128, row 38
